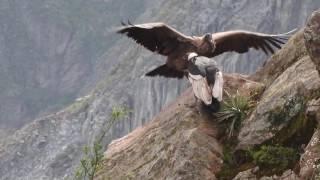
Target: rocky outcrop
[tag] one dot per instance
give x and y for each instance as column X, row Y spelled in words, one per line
column 278, row 139
column 281, row 103
column 291, row 53
column 179, row 143
column 312, row 38
column 250, row 174
column 309, row 161
column 292, row 82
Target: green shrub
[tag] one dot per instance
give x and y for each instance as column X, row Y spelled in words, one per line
column 90, row 163
column 275, row 158
column 92, row 159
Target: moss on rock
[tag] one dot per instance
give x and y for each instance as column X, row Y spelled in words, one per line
column 274, row 159
column 292, row 107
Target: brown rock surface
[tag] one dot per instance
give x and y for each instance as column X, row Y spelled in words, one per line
column 249, row 175
column 310, row 159
column 312, row 38
column 280, row 61
column 180, row 143
column 281, row 104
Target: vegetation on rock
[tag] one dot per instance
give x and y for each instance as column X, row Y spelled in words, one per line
column 274, row 159
column 234, row 109
column 270, row 158
column 291, row 109
column 93, row 155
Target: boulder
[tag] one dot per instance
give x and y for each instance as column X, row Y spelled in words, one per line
column 309, row 161
column 179, row 143
column 312, row 37
column 281, row 105
column 249, row 174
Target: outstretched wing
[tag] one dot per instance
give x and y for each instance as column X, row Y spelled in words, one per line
column 166, row 71
column 242, row 41
column 157, row 37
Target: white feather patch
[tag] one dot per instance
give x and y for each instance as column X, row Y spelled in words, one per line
column 195, row 77
column 217, row 89
column 201, row 88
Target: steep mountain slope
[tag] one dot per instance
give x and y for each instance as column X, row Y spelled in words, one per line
column 48, row 51
column 50, row 147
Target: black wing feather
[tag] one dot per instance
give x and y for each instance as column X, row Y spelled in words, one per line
column 242, row 41
column 156, row 37
column 166, row 71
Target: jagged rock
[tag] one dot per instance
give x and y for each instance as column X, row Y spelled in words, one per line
column 310, row 158
column 313, row 109
column 179, row 143
column 312, row 37
column 249, row 175
column 242, row 85
column 290, row 53
column 289, row 175
column 281, row 103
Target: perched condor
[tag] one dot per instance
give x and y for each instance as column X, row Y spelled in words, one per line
column 206, row 79
column 165, row 40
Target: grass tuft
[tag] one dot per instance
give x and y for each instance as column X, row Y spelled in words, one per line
column 234, row 109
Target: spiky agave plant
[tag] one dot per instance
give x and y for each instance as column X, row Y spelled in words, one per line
column 234, row 109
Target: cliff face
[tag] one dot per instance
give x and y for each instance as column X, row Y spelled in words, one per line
column 48, row 52
column 50, row 147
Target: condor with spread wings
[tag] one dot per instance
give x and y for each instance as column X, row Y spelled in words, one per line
column 166, row 41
